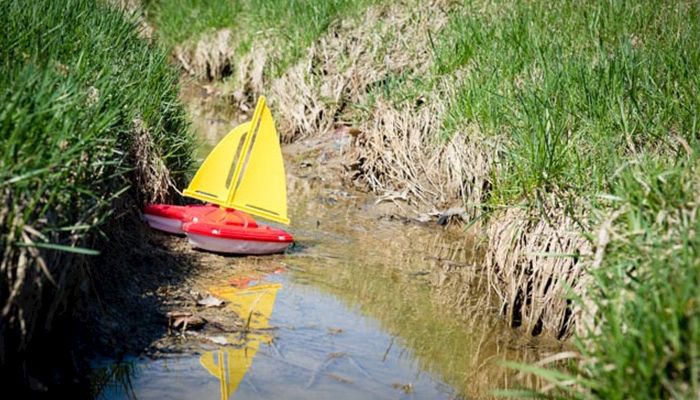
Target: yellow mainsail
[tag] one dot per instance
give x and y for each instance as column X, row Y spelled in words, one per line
column 245, row 171
column 253, row 305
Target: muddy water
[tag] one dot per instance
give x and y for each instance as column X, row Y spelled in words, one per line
column 347, row 313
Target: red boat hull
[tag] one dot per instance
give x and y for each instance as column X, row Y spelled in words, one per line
column 213, row 228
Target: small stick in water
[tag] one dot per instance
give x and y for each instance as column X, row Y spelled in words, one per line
column 321, row 367
column 362, row 370
column 386, row 353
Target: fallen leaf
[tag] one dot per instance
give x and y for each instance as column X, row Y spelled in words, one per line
column 220, row 340
column 210, row 301
column 339, row 378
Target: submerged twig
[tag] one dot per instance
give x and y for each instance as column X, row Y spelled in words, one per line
column 321, row 367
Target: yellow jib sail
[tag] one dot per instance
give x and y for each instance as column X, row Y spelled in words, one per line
column 245, row 171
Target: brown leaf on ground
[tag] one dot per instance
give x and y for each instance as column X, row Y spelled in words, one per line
column 185, row 320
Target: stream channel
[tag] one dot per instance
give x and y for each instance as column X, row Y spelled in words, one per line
column 347, row 313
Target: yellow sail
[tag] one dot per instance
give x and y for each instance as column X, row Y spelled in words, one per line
column 245, row 171
column 212, row 182
column 254, row 305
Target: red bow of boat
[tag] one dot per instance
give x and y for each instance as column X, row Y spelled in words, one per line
column 217, row 229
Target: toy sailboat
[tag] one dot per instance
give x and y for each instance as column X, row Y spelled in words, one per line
column 243, row 175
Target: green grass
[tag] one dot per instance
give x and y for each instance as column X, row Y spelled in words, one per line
column 574, row 87
column 647, row 292
column 649, row 288
column 596, row 106
column 178, row 21
column 290, row 25
column 75, row 80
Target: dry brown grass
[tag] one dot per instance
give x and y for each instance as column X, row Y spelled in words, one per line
column 355, row 54
column 208, row 58
column 529, row 266
column 535, row 261
column 249, row 76
column 151, row 176
column 399, row 152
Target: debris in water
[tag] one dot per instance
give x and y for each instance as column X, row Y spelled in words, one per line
column 388, row 349
column 406, row 387
column 339, row 378
column 446, row 216
column 392, row 196
column 211, row 301
column 321, row 367
column 335, row 331
column 223, row 328
column 220, row 340
column 423, row 218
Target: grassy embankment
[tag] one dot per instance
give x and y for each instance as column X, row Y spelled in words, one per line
column 599, row 108
column 91, row 129
column 569, row 131
column 207, row 35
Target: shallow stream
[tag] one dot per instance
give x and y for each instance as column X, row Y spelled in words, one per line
column 348, row 313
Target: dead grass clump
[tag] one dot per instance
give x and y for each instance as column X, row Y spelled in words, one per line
column 151, row 175
column 399, row 151
column 249, row 76
column 208, row 58
column 534, row 265
column 355, row 57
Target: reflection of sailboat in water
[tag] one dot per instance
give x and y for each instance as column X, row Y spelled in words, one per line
column 254, row 305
